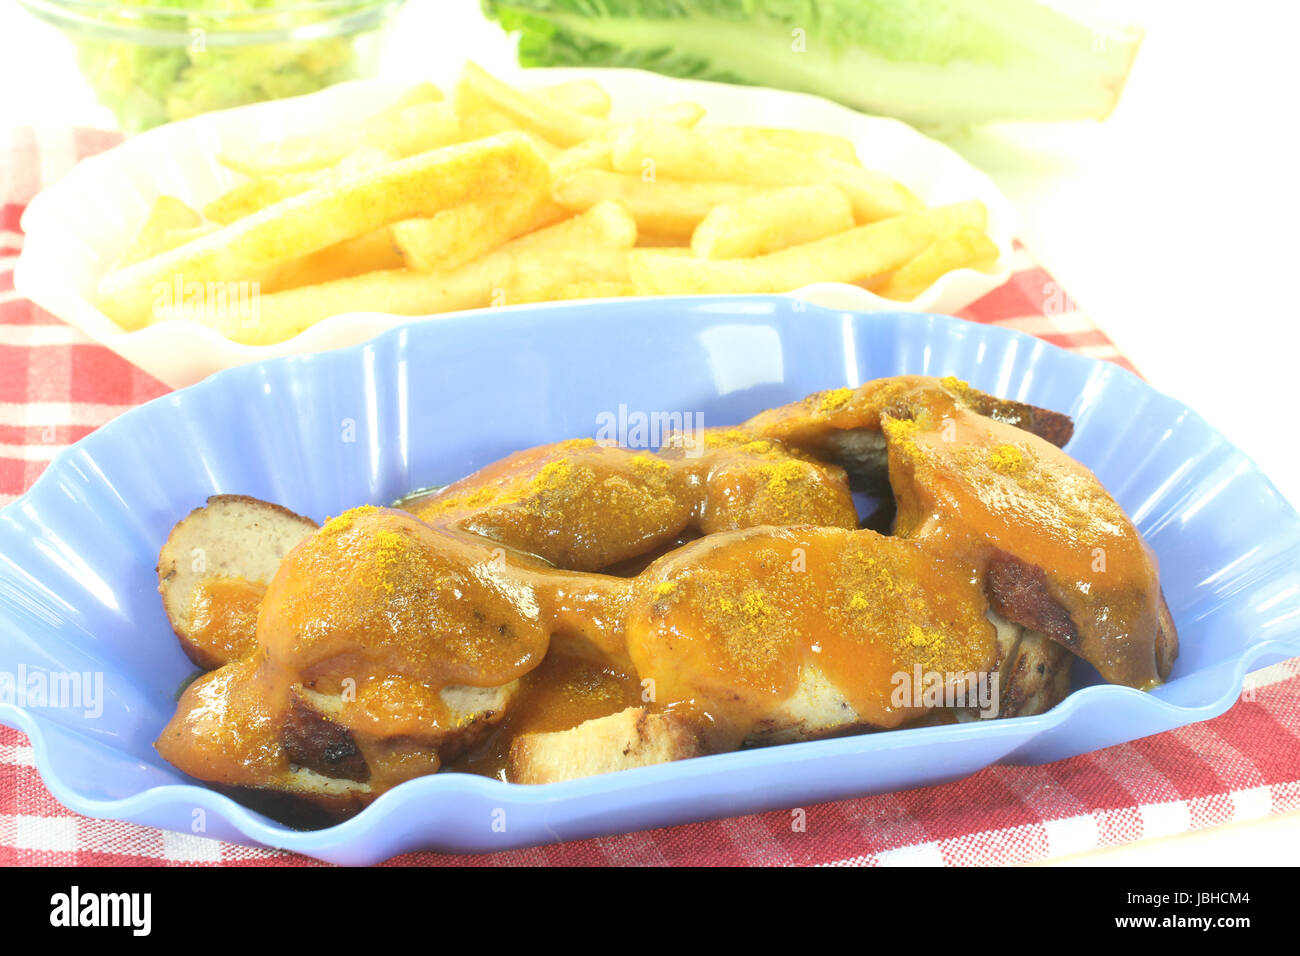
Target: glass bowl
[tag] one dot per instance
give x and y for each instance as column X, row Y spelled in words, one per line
column 153, row 61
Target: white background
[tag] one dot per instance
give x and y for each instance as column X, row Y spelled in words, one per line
column 1174, row 224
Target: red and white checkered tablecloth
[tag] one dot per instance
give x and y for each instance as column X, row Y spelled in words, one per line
column 56, row 386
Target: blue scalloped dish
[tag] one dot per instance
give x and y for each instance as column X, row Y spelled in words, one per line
column 435, row 400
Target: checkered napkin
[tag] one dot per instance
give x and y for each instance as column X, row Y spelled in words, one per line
column 56, row 386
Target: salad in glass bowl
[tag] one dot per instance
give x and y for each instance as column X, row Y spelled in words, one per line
column 153, row 61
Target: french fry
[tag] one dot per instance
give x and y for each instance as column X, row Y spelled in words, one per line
column 582, row 289
column 590, row 154
column 251, row 248
column 540, row 280
column 419, row 93
column 857, row 255
column 480, row 119
column 455, row 236
column 476, row 284
column 800, row 140
column 166, row 243
column 664, row 208
column 581, row 96
column 968, row 247
column 417, row 121
column 676, row 152
column 288, row 155
column 669, row 245
column 254, row 194
column 501, row 195
column 595, row 153
column 558, row 124
column 368, row 253
column 548, row 149
column 772, row 221
column 248, row 197
column 168, row 214
column 169, row 224
column 683, row 113
column 413, row 129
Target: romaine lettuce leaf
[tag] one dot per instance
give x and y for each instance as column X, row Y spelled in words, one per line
column 931, row 62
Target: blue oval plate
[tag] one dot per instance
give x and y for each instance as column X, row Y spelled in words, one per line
column 432, row 401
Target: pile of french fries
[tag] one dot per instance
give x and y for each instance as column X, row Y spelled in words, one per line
column 501, row 196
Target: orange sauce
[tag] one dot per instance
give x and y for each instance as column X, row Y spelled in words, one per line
column 227, row 727
column 488, row 583
column 586, row 507
column 970, row 486
column 223, row 619
column 726, row 626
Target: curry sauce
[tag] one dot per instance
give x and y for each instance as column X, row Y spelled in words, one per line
column 722, row 579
